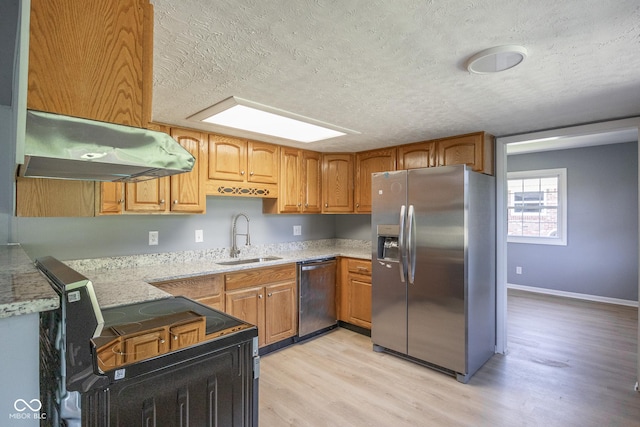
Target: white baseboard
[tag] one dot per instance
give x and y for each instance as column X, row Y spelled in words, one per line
column 575, row 295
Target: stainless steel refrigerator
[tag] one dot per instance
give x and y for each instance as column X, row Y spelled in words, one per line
column 433, row 267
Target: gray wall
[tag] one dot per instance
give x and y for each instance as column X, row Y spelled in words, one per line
column 356, row 227
column 80, row 238
column 601, row 257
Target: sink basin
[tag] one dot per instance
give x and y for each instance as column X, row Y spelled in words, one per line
column 249, row 260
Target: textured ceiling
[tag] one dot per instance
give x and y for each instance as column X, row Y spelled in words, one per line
column 394, row 70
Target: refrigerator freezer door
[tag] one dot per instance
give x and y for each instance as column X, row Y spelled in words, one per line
column 388, row 288
column 436, row 298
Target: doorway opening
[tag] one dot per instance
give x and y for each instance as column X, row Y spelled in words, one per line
column 619, row 131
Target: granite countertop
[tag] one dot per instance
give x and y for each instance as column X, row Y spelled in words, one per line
column 23, row 289
column 125, row 280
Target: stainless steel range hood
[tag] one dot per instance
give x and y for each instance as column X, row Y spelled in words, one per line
column 64, row 147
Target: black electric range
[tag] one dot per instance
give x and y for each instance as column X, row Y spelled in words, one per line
column 211, row 382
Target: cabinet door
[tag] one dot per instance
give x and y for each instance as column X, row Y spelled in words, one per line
column 337, row 183
column 86, row 59
column 54, row 197
column 369, row 162
column 227, row 158
column 289, row 190
column 248, row 305
column 415, row 156
column 311, row 182
column 146, row 345
column 475, row 150
column 187, row 334
column 281, row 311
column 187, row 192
column 111, row 198
column 359, row 306
column 147, row 196
column 262, row 162
column 110, row 355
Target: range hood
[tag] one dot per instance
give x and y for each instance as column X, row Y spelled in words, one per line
column 65, row 147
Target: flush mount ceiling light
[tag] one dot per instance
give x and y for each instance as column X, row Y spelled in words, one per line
column 496, row 59
column 238, row 113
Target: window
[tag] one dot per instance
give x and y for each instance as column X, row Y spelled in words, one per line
column 537, row 207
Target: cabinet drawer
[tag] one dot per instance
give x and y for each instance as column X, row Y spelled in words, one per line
column 259, row 276
column 359, row 266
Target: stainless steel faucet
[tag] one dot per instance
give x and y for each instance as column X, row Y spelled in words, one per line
column 234, row 233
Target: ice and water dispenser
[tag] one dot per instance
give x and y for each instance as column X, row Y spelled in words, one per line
column 388, row 244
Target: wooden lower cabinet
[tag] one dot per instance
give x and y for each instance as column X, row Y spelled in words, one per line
column 146, row 345
column 267, row 298
column 187, row 334
column 125, row 344
column 355, row 292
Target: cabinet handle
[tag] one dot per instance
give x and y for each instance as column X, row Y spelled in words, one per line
column 162, row 202
column 326, row 205
column 251, row 173
column 260, row 296
column 175, row 202
column 269, row 294
column 299, row 204
column 241, row 172
column 357, row 205
column 306, row 205
column 120, row 201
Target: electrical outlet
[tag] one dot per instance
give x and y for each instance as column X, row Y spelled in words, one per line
column 297, row 230
column 518, row 270
column 153, row 238
column 199, row 236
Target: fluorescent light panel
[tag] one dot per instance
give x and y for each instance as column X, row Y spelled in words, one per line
column 239, row 113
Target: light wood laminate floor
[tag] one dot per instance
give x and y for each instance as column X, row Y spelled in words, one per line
column 569, row 363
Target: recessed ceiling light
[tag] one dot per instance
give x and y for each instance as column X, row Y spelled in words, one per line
column 496, row 59
column 238, row 113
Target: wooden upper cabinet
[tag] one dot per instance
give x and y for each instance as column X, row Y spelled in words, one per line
column 238, row 167
column 311, row 182
column 337, row 183
column 368, row 162
column 149, row 196
column 187, row 192
column 262, row 162
column 474, row 149
column 418, row 155
column 234, row 159
column 290, row 188
column 91, row 59
column 300, row 183
column 227, row 158
column 111, row 200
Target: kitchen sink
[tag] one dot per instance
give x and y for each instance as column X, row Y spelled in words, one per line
column 249, row 260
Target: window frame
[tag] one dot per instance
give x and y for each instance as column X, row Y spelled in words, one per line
column 561, row 238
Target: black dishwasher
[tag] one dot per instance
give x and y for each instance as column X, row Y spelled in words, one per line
column 317, row 293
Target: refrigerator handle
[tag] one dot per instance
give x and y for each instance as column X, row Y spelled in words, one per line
column 411, row 245
column 401, row 242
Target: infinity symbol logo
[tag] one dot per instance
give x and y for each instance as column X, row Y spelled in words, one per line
column 22, row 405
